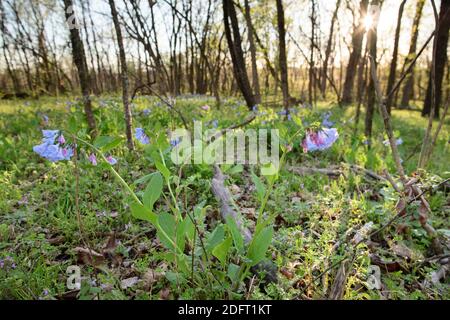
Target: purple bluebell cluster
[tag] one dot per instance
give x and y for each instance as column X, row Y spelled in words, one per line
column 321, row 140
column 53, row 146
column 146, row 112
column 141, row 136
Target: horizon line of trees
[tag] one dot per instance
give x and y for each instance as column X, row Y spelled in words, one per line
column 218, row 47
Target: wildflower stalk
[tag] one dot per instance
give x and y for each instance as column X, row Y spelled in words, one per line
column 115, row 173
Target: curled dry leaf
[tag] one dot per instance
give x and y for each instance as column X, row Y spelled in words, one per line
column 89, row 257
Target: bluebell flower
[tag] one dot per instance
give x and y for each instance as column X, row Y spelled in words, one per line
column 255, row 108
column 215, row 123
column 141, row 136
column 52, row 147
column 321, row 140
column 93, row 159
column 61, row 139
column 146, row 112
column 112, row 161
column 50, row 136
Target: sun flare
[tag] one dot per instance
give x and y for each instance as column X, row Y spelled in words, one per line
column 368, row 22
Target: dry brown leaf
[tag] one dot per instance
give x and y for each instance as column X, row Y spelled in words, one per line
column 89, row 257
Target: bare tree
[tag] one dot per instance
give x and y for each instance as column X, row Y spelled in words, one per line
column 251, row 40
column 282, row 60
column 371, row 93
column 124, row 74
column 409, row 81
column 79, row 58
column 440, row 60
column 393, row 67
column 355, row 55
column 234, row 40
column 328, row 49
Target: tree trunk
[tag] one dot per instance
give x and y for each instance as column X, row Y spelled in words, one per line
column 79, row 58
column 371, row 94
column 251, row 40
column 233, row 35
column 282, row 55
column 440, row 61
column 393, row 68
column 124, row 74
column 409, row 81
column 355, row 55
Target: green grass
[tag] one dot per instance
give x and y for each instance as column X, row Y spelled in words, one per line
column 39, row 228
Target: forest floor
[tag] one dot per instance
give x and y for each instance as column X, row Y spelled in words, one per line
column 316, row 214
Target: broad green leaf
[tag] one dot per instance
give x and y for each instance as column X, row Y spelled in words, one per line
column 236, row 234
column 221, row 251
column 106, row 143
column 260, row 188
column 143, row 179
column 233, row 272
column 215, row 238
column 143, row 213
column 259, row 245
column 163, row 169
column 236, row 169
column 166, row 233
column 153, row 190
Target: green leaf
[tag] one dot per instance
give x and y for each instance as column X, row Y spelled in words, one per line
column 236, row 234
column 170, row 233
column 215, row 238
column 106, row 143
column 259, row 245
column 233, row 272
column 153, row 190
column 143, row 213
column 163, row 169
column 221, row 251
column 260, row 188
column 143, row 179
